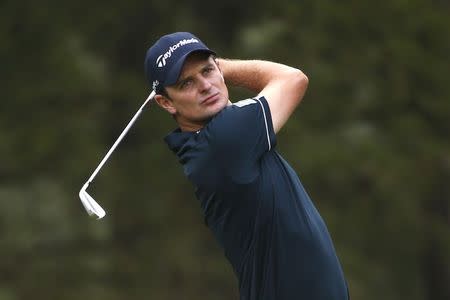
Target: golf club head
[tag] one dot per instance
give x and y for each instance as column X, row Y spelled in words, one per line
column 91, row 206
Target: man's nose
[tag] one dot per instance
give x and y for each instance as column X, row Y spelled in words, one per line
column 204, row 84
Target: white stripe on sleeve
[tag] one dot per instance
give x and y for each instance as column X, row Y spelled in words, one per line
column 265, row 122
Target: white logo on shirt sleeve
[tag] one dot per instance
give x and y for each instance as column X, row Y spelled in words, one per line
column 244, row 102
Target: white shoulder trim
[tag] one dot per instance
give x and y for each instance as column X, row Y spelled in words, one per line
column 244, row 102
column 265, row 122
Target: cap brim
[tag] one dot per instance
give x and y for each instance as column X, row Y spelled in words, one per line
column 174, row 73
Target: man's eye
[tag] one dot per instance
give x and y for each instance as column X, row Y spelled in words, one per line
column 207, row 70
column 186, row 84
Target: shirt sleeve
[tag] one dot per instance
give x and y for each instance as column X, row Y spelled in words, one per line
column 240, row 135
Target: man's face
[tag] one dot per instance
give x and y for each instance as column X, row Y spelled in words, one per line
column 199, row 94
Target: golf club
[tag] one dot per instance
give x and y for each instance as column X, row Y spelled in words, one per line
column 91, row 206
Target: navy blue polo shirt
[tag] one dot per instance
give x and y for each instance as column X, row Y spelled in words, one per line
column 257, row 208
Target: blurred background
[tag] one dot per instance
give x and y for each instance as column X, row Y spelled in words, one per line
column 370, row 142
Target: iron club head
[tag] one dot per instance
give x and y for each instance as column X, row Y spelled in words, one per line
column 91, row 206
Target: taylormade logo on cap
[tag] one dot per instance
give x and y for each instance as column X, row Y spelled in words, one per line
column 161, row 60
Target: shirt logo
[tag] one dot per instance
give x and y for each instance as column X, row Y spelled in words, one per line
column 161, row 61
column 244, row 102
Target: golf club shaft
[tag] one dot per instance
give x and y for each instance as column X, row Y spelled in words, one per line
column 121, row 136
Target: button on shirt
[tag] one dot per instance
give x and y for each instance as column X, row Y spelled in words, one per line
column 257, row 208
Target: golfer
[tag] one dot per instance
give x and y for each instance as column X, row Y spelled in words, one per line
column 252, row 200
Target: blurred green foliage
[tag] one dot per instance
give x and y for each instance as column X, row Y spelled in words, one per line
column 370, row 142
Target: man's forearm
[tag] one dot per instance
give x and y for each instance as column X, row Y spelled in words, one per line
column 252, row 74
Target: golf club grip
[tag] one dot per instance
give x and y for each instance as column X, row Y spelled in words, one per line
column 121, row 136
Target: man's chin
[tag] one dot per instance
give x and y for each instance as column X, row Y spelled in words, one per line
column 218, row 108
column 206, row 118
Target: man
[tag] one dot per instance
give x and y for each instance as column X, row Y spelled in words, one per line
column 252, row 200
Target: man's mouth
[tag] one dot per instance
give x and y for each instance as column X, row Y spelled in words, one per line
column 210, row 99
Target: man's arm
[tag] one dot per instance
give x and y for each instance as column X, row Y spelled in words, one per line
column 282, row 86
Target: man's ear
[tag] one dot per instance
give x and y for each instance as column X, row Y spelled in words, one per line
column 165, row 103
column 216, row 60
